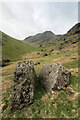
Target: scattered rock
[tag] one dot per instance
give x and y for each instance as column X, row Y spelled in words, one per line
column 36, row 63
column 54, row 77
column 46, row 54
column 42, row 50
column 73, row 57
column 23, row 86
column 38, row 53
column 70, row 91
column 51, row 50
column 74, row 42
column 4, row 62
column 57, row 53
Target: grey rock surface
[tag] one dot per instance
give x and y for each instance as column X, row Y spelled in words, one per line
column 54, row 77
column 23, row 86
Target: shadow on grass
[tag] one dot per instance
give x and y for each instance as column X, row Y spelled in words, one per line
column 74, row 82
column 37, row 109
column 39, row 90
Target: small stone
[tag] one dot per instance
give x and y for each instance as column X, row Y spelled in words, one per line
column 46, row 54
column 36, row 63
column 52, row 92
column 70, row 91
column 42, row 50
column 73, row 57
column 38, row 53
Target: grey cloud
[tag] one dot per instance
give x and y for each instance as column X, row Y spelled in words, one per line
column 24, row 19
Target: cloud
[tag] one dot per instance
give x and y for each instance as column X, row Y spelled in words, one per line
column 22, row 19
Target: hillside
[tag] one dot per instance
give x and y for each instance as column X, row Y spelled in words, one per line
column 63, row 103
column 42, row 38
column 13, row 49
column 59, row 105
column 49, row 39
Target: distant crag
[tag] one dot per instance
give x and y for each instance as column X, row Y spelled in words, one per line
column 42, row 38
column 48, row 38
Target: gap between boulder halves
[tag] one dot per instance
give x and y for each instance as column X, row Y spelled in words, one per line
column 52, row 77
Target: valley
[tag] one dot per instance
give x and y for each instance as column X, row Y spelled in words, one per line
column 60, row 49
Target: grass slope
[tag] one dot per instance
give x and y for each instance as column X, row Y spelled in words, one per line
column 14, row 49
column 58, row 105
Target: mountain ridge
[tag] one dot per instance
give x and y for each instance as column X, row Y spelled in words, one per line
column 47, row 36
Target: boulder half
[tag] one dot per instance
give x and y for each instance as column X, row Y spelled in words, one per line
column 54, row 77
column 23, row 85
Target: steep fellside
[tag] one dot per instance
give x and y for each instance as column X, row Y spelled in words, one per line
column 48, row 39
column 42, row 38
column 13, row 49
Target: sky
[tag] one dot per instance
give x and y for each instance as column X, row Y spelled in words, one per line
column 23, row 19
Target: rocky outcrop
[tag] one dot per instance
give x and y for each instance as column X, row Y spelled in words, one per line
column 54, row 76
column 23, row 86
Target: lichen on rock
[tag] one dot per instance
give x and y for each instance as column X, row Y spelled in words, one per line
column 54, row 77
column 23, row 85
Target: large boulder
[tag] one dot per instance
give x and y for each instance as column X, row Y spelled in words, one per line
column 23, row 86
column 54, row 77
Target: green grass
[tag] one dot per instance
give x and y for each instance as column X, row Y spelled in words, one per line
column 72, row 64
column 14, row 49
column 44, row 107
column 74, row 82
column 64, row 106
column 59, row 105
